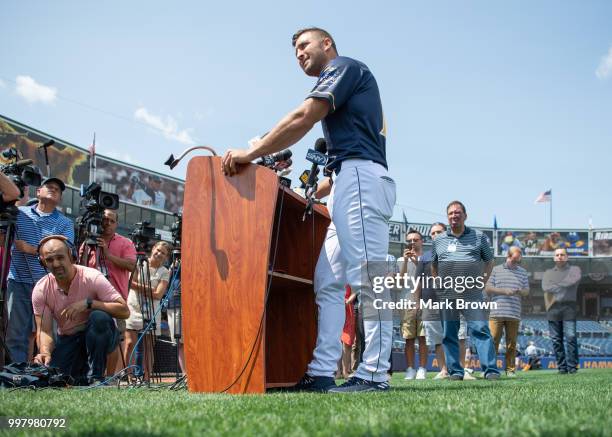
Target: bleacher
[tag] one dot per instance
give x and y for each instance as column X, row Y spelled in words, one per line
column 594, row 338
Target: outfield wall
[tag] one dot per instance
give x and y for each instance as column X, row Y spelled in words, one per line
column 399, row 362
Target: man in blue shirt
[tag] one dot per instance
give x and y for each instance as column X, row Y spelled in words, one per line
column 33, row 224
column 346, row 100
column 462, row 259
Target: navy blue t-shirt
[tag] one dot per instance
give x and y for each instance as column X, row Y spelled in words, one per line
column 355, row 126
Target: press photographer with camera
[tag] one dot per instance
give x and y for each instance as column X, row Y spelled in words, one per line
column 144, row 300
column 83, row 303
column 33, row 224
column 119, row 256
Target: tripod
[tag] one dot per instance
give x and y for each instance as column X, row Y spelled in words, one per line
column 141, row 283
column 173, row 302
column 91, row 248
column 8, row 218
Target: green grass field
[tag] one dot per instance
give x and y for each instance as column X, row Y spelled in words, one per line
column 536, row 403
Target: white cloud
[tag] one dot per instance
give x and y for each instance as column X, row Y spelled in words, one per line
column 34, row 92
column 2, row 84
column 168, row 126
column 605, row 66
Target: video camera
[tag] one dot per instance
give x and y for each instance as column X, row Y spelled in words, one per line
column 142, row 235
column 20, row 171
column 93, row 203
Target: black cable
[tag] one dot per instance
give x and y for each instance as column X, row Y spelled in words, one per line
column 263, row 313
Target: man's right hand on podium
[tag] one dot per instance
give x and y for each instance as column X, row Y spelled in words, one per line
column 233, row 157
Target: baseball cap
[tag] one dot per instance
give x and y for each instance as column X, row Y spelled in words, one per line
column 56, row 180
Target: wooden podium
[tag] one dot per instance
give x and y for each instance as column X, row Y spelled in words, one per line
column 242, row 235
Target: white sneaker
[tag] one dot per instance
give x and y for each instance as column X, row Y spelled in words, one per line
column 467, row 376
column 410, row 373
column 468, row 370
column 421, row 373
column 441, row 375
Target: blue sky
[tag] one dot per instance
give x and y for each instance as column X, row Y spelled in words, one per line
column 488, row 102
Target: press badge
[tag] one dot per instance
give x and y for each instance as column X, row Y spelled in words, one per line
column 452, row 247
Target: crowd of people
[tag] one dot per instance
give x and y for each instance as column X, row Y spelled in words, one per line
column 80, row 309
column 459, row 249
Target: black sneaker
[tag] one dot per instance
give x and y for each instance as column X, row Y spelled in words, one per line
column 572, row 371
column 456, row 377
column 492, row 376
column 314, row 383
column 356, row 384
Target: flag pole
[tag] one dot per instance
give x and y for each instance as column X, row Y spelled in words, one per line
column 551, row 199
column 92, row 157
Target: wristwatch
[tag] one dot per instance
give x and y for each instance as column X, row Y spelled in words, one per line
column 89, row 303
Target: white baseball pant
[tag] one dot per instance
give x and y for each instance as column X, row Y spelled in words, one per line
column 357, row 241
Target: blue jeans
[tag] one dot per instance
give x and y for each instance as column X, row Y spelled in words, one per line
column 480, row 335
column 83, row 355
column 564, row 330
column 19, row 319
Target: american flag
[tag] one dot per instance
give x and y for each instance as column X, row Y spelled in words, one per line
column 92, row 147
column 546, row 196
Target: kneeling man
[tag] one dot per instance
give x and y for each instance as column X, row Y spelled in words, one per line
column 83, row 303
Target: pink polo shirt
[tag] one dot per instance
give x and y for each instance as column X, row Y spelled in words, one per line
column 121, row 247
column 49, row 300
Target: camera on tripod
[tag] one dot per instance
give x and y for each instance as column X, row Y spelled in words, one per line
column 20, row 171
column 93, row 203
column 142, row 236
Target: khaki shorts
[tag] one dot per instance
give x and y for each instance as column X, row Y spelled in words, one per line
column 411, row 326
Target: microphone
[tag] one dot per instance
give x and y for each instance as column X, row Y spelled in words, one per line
column 317, row 157
column 270, row 160
column 47, row 144
column 282, row 165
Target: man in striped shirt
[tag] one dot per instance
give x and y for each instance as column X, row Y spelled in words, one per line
column 507, row 284
column 33, row 223
column 462, row 259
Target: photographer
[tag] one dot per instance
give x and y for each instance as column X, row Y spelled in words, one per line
column 119, row 257
column 33, row 224
column 9, row 190
column 159, row 278
column 83, row 303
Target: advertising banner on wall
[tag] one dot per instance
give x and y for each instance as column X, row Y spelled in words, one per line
column 397, row 232
column 543, row 243
column 602, row 242
column 138, row 186
column 66, row 162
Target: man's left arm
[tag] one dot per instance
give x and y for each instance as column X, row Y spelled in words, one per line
column 287, row 132
column 573, row 276
column 106, row 299
column 126, row 260
column 524, row 291
column 487, row 257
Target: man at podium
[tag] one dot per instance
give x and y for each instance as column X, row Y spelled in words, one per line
column 346, row 100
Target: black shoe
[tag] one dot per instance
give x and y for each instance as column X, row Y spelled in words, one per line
column 319, row 384
column 572, row 371
column 562, row 372
column 492, row 376
column 356, row 384
column 456, row 377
